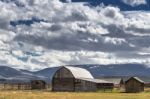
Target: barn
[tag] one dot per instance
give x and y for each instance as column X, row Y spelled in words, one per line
column 71, row 79
column 134, row 84
column 38, row 84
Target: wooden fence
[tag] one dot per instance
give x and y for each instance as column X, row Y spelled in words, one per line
column 16, row 86
column 19, row 86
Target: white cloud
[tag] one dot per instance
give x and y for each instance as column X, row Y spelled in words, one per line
column 101, row 35
column 7, row 14
column 135, row 2
column 6, row 35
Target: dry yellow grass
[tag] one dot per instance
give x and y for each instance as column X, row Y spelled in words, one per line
column 67, row 95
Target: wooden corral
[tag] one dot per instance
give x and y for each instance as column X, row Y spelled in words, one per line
column 38, row 84
column 15, row 86
column 134, row 84
column 147, row 85
column 75, row 79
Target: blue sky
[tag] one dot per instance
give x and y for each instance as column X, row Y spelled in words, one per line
column 35, row 34
column 124, row 5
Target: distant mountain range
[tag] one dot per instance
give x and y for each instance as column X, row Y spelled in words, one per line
column 113, row 70
column 117, row 3
column 15, row 75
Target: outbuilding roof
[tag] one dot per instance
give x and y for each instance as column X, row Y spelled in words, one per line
column 116, row 81
column 136, row 78
column 96, row 80
column 79, row 72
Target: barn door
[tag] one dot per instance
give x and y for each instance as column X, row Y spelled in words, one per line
column 63, row 80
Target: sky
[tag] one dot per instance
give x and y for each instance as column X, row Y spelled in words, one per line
column 36, row 34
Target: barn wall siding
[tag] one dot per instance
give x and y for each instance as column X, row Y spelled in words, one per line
column 63, row 80
column 63, row 84
column 82, row 85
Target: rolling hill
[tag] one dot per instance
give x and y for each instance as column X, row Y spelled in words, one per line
column 112, row 70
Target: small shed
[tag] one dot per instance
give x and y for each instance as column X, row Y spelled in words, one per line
column 134, row 84
column 69, row 78
column 38, row 84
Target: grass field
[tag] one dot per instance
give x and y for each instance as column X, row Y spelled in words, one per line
column 67, row 95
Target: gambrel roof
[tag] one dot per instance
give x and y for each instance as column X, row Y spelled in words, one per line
column 79, row 72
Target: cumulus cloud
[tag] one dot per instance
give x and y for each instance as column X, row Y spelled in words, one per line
column 68, row 1
column 6, row 15
column 67, row 35
column 135, row 2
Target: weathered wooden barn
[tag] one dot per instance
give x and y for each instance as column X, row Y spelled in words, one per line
column 134, row 84
column 38, row 84
column 69, row 78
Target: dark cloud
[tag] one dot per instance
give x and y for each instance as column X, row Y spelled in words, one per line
column 139, row 30
column 55, row 27
column 75, row 43
column 141, row 42
column 132, row 55
column 4, row 22
column 117, row 31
